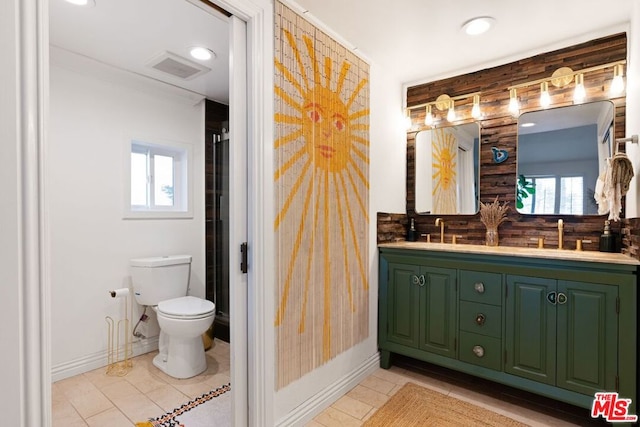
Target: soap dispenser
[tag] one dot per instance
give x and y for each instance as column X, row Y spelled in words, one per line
column 607, row 240
column 412, row 234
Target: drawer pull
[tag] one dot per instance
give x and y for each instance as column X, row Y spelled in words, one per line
column 479, row 287
column 480, row 319
column 478, row 350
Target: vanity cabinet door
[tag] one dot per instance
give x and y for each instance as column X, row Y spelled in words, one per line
column 403, row 304
column 530, row 339
column 438, row 310
column 587, row 354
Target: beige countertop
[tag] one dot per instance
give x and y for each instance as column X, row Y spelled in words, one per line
column 563, row 254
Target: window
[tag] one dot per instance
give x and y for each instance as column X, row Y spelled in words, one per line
column 547, row 199
column 159, row 183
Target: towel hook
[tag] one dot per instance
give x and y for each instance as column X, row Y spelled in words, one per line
column 633, row 139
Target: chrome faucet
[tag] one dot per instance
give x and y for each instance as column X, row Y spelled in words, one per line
column 440, row 222
column 560, row 233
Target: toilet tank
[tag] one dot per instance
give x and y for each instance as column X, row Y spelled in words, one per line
column 160, row 278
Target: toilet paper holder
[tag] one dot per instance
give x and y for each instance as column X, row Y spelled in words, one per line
column 119, row 350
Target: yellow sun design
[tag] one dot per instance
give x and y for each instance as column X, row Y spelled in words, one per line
column 322, row 169
column 445, row 152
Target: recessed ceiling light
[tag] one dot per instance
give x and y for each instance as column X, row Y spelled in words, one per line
column 202, row 53
column 88, row 3
column 527, row 125
column 478, row 25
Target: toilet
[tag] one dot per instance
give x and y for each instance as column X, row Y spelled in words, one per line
column 162, row 283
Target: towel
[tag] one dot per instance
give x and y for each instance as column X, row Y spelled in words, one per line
column 612, row 184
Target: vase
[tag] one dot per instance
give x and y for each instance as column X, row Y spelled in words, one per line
column 491, row 238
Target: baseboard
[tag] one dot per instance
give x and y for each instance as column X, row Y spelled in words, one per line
column 98, row 360
column 325, row 398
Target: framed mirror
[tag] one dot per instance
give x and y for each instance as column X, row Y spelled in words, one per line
column 447, row 167
column 561, row 152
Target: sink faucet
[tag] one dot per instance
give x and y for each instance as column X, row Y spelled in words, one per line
column 560, row 233
column 440, row 222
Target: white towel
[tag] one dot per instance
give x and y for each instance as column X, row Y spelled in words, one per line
column 612, row 184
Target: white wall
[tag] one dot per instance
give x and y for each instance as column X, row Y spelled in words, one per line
column 91, row 121
column 633, row 109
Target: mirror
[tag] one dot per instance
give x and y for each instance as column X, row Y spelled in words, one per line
column 447, row 163
column 561, row 152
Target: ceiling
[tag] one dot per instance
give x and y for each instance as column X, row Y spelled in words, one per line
column 419, row 40
column 127, row 34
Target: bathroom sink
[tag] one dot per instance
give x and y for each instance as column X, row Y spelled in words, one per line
column 567, row 254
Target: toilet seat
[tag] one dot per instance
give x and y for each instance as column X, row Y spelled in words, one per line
column 186, row 308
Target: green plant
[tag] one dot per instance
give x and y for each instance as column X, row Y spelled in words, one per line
column 526, row 188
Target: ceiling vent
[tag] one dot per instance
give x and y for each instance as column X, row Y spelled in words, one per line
column 177, row 66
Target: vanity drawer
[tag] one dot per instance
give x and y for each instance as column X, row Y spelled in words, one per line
column 480, row 286
column 481, row 319
column 480, row 350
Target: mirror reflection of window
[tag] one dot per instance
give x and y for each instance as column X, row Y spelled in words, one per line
column 447, row 170
column 555, row 194
column 562, row 151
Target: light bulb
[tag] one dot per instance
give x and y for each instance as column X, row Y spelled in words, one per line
column 545, row 99
column 579, row 93
column 451, row 115
column 475, row 110
column 428, row 118
column 617, row 85
column 514, row 106
column 407, row 119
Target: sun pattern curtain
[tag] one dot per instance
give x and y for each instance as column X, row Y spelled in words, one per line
column 322, row 197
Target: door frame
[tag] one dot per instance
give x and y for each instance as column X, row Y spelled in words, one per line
column 28, row 67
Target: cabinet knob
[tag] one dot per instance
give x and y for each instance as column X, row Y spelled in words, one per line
column 479, row 287
column 422, row 280
column 415, row 280
column 562, row 298
column 480, row 318
column 478, row 350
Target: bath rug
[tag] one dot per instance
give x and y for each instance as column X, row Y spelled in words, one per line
column 199, row 412
column 417, row 406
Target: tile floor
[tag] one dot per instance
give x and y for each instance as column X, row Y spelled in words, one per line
column 95, row 399
column 361, row 402
column 98, row 400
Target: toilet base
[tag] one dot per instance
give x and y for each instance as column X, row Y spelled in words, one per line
column 181, row 357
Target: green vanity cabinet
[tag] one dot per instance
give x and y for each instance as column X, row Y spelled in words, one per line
column 563, row 325
column 421, row 306
column 562, row 333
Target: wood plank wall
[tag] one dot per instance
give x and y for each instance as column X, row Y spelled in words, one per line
column 499, row 129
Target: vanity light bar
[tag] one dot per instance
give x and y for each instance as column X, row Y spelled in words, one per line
column 446, row 103
column 565, row 75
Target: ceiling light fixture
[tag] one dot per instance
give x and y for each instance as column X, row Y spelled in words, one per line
column 87, row 3
column 202, row 53
column 478, row 25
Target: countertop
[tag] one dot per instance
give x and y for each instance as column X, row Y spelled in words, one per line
column 564, row 254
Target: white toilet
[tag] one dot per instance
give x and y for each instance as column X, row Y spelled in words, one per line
column 162, row 283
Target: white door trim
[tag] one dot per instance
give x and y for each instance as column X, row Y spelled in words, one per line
column 30, row 59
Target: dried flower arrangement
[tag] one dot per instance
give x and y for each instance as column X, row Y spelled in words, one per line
column 494, row 214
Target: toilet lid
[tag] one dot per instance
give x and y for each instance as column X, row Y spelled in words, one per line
column 188, row 306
